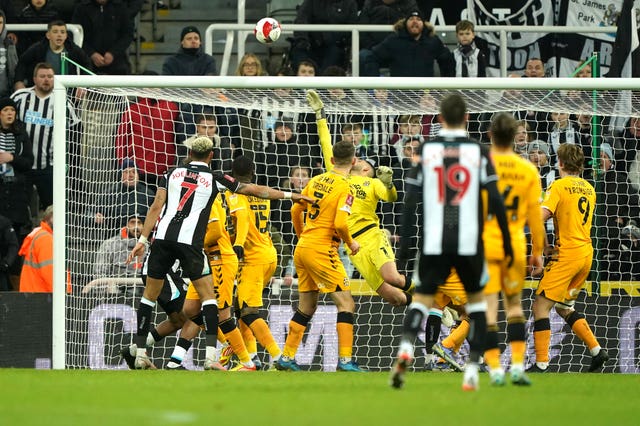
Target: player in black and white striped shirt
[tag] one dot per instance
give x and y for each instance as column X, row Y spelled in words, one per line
column 182, row 205
column 35, row 109
column 451, row 173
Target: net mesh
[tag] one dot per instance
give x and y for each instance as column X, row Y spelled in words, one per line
column 147, row 127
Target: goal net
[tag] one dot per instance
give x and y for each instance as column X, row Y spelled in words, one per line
column 136, row 128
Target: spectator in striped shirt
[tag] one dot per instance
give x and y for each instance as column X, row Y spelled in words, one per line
column 35, row 109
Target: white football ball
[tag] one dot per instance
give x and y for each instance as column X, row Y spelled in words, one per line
column 267, row 30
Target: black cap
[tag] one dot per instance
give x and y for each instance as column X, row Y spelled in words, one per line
column 189, row 29
column 7, row 101
column 127, row 163
column 414, row 12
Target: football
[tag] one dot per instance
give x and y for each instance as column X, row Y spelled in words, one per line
column 267, row 30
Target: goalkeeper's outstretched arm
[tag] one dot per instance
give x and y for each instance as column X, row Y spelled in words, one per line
column 316, row 104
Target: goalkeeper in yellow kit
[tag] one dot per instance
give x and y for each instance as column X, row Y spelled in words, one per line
column 376, row 260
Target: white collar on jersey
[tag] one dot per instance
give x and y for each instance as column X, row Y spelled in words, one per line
column 201, row 163
column 453, row 133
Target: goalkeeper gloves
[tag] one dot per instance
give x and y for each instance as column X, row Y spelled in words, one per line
column 316, row 104
column 239, row 251
column 385, row 174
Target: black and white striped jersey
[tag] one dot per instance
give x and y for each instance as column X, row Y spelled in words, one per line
column 453, row 171
column 37, row 115
column 191, row 190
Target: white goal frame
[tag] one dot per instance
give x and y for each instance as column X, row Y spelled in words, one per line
column 64, row 82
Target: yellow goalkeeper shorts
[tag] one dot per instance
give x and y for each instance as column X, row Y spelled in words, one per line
column 375, row 251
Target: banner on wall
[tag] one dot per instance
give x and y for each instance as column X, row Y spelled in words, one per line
column 521, row 46
column 572, row 48
column 561, row 53
column 101, row 326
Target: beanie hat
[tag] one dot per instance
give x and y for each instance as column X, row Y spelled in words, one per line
column 189, row 29
column 538, row 145
column 128, row 163
column 7, row 101
column 607, row 150
column 414, row 12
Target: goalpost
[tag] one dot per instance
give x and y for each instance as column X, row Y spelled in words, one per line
column 98, row 317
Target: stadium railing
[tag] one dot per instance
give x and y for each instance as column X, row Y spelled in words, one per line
column 241, row 31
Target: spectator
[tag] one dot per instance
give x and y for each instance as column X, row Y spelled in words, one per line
column 381, row 125
column 410, row 52
column 8, row 59
column 223, row 149
column 629, row 142
column 16, row 159
column 534, row 68
column 108, row 33
column 35, row 109
column 409, row 128
column 35, row 12
column 8, row 252
column 190, row 58
column 123, row 200
column 146, row 133
column 299, row 177
column 619, row 204
column 250, row 66
column 380, row 12
column 111, row 258
column 522, row 139
column 50, row 49
column 470, row 61
column 563, row 131
column 538, row 152
column 306, row 68
column 324, row 48
column 37, row 250
column 285, row 151
column 353, row 132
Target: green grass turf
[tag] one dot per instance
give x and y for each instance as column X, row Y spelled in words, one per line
column 84, row 397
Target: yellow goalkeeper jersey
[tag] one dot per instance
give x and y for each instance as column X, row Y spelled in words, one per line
column 367, row 191
column 572, row 201
column 258, row 247
column 519, row 184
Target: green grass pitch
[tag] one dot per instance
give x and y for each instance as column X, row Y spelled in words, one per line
column 84, row 397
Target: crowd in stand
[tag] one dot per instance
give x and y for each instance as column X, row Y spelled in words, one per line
column 284, row 145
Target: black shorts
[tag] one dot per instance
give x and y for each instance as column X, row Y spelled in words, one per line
column 434, row 270
column 163, row 254
column 174, row 290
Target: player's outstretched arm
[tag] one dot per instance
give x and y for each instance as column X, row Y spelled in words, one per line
column 316, row 104
column 262, row 191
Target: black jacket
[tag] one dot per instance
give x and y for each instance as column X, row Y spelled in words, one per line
column 407, row 57
column 14, row 191
column 38, row 53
